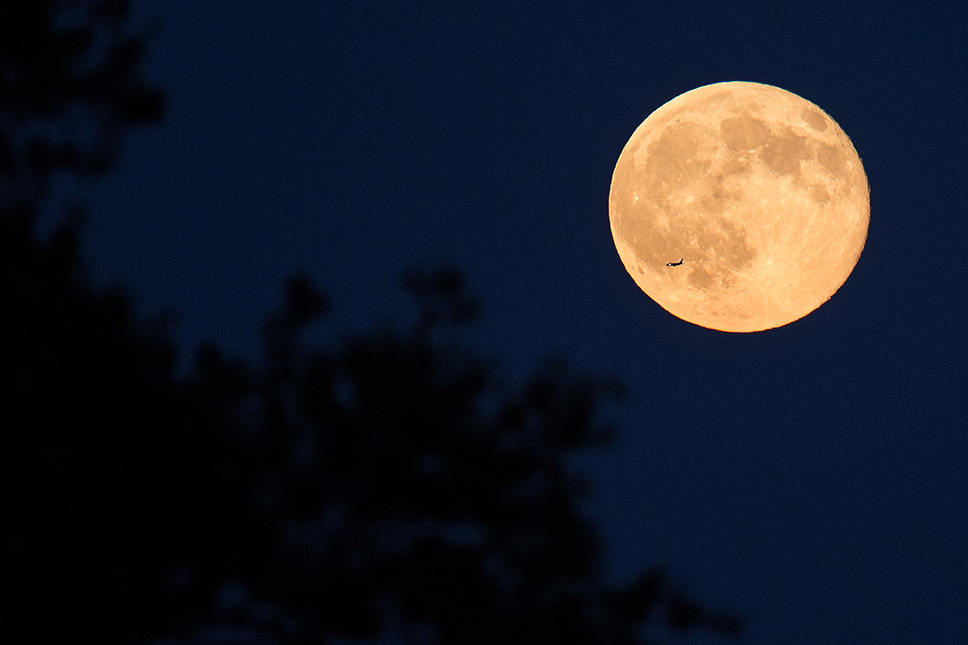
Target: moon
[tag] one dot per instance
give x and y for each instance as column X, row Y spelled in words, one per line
column 759, row 192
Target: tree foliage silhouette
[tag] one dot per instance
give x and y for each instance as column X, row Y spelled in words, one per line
column 392, row 483
column 70, row 86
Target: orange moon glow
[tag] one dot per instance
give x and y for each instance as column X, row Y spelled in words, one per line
column 759, row 193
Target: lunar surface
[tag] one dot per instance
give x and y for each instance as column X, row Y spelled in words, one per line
column 757, row 190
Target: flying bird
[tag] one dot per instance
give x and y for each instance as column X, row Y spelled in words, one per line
column 675, row 264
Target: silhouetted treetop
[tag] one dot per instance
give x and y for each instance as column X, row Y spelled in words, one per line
column 440, row 295
column 406, row 473
column 392, row 483
column 70, row 84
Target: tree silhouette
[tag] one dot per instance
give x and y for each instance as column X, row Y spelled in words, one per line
column 392, row 484
column 69, row 87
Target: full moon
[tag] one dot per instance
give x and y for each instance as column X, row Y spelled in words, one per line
column 756, row 190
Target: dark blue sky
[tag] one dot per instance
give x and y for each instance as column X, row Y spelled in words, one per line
column 814, row 477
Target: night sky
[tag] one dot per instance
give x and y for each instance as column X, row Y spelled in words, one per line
column 813, row 477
